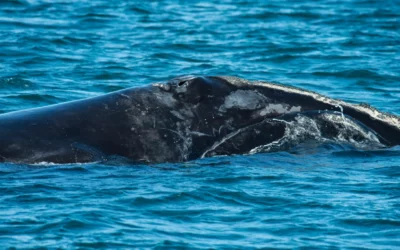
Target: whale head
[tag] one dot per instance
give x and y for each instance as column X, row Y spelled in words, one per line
column 214, row 108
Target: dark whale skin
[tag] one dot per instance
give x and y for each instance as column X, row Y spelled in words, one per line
column 182, row 119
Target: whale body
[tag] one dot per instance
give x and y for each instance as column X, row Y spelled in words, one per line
column 187, row 118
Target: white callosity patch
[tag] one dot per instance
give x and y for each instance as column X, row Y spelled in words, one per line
column 279, row 108
column 164, row 86
column 244, row 100
column 253, row 100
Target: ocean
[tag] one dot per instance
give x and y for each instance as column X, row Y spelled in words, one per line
column 324, row 196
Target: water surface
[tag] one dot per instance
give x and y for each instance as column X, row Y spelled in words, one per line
column 323, row 196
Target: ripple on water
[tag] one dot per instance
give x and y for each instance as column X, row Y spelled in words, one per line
column 16, row 82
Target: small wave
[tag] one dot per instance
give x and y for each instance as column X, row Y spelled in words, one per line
column 359, row 73
column 237, row 179
column 139, row 9
column 35, row 98
column 394, row 152
column 30, row 22
column 390, row 171
column 34, row 199
column 17, row 3
column 367, row 224
column 16, row 82
column 69, row 40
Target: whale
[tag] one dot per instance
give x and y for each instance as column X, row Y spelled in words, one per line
column 187, row 118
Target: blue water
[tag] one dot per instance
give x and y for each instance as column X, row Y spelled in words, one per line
column 321, row 196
